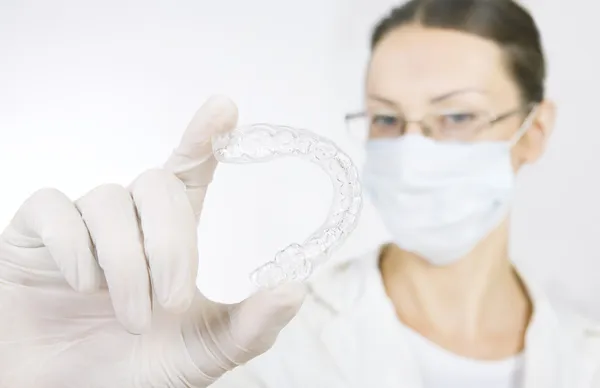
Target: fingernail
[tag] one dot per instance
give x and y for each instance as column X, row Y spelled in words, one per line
column 220, row 100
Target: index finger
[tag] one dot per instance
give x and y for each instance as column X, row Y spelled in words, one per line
column 193, row 161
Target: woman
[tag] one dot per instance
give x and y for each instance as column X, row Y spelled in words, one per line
column 455, row 106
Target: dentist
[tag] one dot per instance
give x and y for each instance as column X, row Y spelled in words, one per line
column 100, row 292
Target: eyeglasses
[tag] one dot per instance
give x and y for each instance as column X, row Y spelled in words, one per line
column 463, row 125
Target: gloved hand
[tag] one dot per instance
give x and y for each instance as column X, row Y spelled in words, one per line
column 102, row 293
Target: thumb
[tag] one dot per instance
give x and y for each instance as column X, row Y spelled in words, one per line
column 257, row 321
column 193, row 161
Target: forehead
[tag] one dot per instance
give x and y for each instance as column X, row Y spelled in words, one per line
column 413, row 63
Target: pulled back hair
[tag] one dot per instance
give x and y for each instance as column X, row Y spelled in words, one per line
column 504, row 22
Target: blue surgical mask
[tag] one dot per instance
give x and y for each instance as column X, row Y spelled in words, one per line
column 439, row 199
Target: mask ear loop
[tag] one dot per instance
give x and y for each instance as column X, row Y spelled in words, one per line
column 525, row 126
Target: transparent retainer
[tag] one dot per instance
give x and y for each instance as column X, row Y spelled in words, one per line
column 258, row 143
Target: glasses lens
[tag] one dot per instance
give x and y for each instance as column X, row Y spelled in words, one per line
column 357, row 126
column 457, row 125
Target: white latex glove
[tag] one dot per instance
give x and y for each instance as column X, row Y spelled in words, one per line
column 102, row 292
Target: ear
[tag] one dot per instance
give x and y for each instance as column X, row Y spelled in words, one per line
column 534, row 141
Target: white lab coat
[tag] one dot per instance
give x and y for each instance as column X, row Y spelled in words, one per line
column 347, row 335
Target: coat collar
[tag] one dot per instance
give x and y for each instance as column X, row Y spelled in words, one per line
column 360, row 334
column 363, row 333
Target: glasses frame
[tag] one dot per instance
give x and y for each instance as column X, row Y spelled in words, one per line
column 495, row 119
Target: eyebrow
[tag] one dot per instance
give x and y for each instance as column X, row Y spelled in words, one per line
column 432, row 100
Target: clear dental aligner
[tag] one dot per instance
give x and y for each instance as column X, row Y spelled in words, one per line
column 264, row 142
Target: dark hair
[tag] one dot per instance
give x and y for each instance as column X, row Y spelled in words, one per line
column 502, row 21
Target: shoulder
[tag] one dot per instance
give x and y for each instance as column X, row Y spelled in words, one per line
column 554, row 313
column 579, row 336
column 566, row 335
column 558, row 313
column 578, row 327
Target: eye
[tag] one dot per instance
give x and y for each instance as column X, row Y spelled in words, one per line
column 381, row 125
column 458, row 121
column 459, row 118
column 385, row 120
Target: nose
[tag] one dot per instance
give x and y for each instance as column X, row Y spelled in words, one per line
column 413, row 127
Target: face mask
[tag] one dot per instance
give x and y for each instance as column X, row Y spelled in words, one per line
column 439, row 199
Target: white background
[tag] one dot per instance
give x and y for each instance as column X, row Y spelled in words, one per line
column 97, row 92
